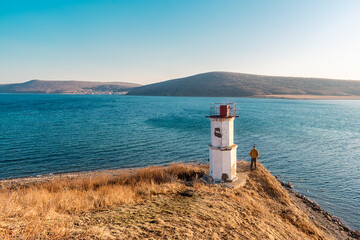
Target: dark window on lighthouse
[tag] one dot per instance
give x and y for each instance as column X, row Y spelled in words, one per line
column 217, row 133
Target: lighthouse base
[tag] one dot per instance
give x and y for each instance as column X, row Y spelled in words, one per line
column 223, row 163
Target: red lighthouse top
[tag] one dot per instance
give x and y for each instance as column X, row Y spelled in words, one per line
column 222, row 110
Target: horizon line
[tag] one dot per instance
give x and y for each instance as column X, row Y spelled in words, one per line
column 244, row 73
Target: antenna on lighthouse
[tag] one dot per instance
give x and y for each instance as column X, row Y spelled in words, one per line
column 222, row 148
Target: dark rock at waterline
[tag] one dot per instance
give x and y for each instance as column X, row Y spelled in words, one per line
column 314, row 206
column 288, row 185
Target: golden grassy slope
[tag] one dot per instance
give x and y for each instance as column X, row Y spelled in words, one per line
column 147, row 203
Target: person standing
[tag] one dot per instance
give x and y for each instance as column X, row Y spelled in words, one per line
column 254, row 154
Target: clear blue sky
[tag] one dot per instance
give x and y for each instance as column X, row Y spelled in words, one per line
column 153, row 40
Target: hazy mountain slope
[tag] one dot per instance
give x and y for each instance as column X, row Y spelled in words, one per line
column 220, row 84
column 40, row 86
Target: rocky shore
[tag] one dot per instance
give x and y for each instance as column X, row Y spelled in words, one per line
column 323, row 217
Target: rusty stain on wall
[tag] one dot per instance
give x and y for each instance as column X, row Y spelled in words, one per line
column 233, row 169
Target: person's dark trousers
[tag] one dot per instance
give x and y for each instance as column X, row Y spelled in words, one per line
column 253, row 161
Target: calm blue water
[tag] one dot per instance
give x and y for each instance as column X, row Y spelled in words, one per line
column 313, row 144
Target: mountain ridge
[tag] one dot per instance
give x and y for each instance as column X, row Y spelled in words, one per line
column 208, row 84
column 67, row 87
column 231, row 84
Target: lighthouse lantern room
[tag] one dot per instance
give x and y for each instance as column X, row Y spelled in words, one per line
column 222, row 148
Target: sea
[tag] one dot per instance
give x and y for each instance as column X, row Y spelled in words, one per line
column 315, row 144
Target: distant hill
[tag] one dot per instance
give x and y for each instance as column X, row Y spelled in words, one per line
column 212, row 84
column 69, row 87
column 227, row 84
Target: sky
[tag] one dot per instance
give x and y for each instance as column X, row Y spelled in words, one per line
column 146, row 41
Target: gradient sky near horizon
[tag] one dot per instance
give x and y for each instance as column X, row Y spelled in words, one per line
column 155, row 40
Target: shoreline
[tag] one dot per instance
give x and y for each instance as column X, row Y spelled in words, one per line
column 319, row 216
column 41, row 178
column 274, row 96
column 307, row 97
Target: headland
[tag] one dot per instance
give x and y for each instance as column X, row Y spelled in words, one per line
column 161, row 202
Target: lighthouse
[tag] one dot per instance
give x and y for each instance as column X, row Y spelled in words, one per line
column 222, row 148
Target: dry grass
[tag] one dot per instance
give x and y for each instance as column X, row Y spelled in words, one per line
column 260, row 210
column 46, row 210
column 146, row 204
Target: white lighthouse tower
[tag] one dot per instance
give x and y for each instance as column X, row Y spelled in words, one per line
column 222, row 147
